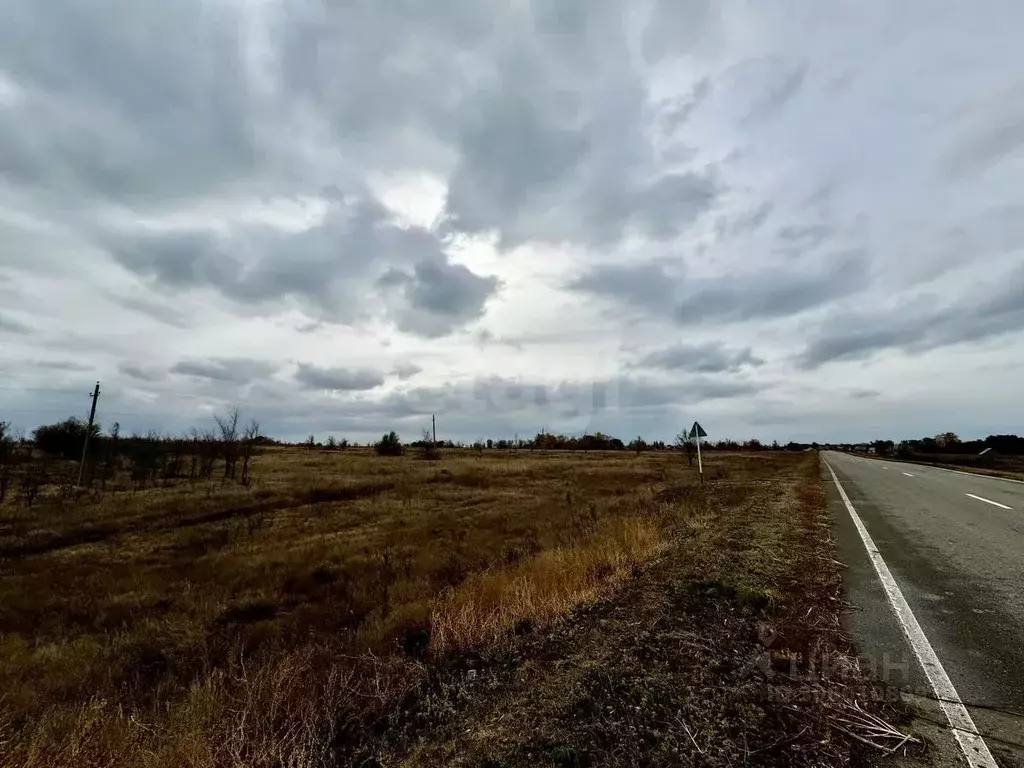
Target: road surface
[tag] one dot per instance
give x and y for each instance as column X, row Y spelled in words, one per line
column 954, row 546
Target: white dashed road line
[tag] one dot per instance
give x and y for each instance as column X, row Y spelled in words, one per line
column 966, row 732
column 908, row 474
column 989, row 501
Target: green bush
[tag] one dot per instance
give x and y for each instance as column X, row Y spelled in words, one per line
column 64, row 439
column 389, row 445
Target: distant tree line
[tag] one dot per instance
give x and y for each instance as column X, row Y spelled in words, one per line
column 949, row 443
column 52, row 455
column 390, row 444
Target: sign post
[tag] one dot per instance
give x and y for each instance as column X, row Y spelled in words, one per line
column 696, row 433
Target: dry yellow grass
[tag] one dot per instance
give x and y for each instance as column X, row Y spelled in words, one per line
column 213, row 625
column 486, row 606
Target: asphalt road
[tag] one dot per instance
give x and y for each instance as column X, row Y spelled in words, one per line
column 954, row 544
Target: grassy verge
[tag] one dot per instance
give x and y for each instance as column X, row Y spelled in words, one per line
column 727, row 649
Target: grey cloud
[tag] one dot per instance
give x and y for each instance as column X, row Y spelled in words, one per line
column 153, row 309
column 125, row 110
column 765, row 294
column 679, row 26
column 542, row 129
column 557, row 147
column 771, row 293
column 176, row 259
column 997, row 132
column 62, row 365
column 745, row 222
column 671, row 204
column 406, row 371
column 138, row 372
column 782, row 85
column 439, row 296
column 337, row 379
column 645, row 394
column 330, row 268
column 647, row 285
column 920, row 325
column 865, row 394
column 805, row 236
column 678, row 113
column 238, row 370
column 10, row 325
column 701, row 358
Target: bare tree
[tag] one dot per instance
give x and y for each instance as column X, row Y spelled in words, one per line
column 250, row 437
column 193, row 465
column 111, row 453
column 228, row 426
column 207, row 454
column 430, row 452
column 684, row 441
column 32, row 482
column 6, row 458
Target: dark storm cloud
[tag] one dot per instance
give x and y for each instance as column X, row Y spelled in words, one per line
column 701, row 358
column 9, row 325
column 923, row 324
column 337, row 379
column 239, row 370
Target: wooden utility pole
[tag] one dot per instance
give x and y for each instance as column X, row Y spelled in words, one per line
column 88, row 431
column 433, row 428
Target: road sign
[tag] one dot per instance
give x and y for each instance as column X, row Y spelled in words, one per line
column 697, row 431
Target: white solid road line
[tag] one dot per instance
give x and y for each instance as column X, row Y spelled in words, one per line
column 988, row 501
column 908, row 474
column 966, row 732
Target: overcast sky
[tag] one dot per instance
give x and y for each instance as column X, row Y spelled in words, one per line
column 792, row 220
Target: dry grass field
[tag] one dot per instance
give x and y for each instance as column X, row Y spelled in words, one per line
column 315, row 617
